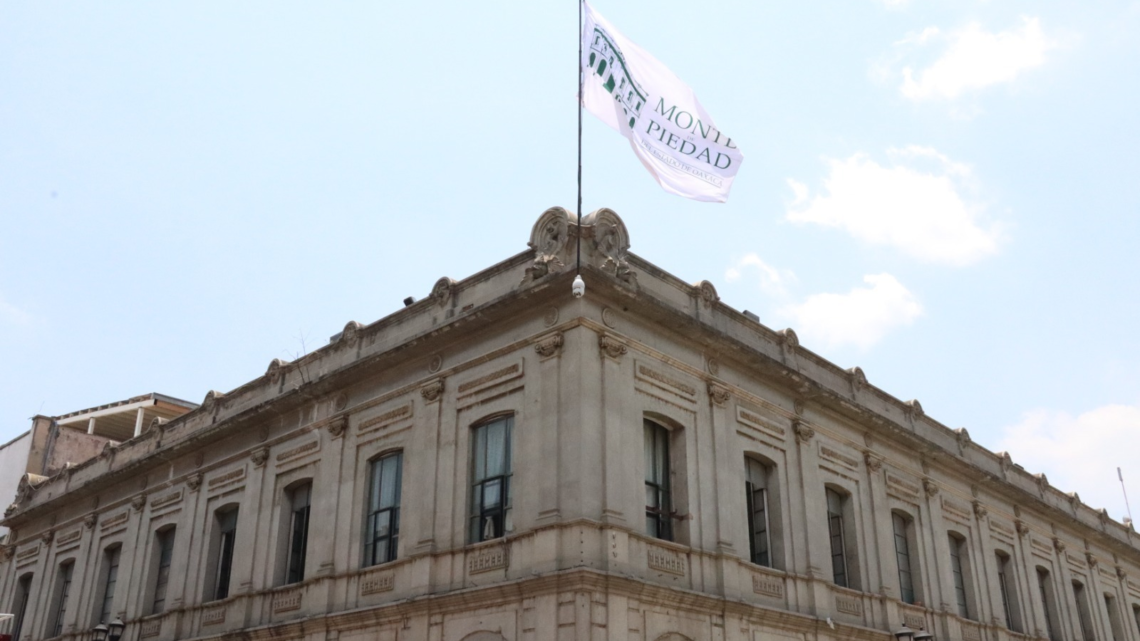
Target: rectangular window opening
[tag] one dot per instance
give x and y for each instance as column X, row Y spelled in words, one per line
column 299, row 501
column 658, row 499
column 382, row 527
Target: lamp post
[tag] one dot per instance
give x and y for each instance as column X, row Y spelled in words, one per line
column 923, row 635
column 904, row 634
column 109, row 632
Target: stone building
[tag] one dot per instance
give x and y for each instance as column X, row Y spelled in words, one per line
column 502, row 461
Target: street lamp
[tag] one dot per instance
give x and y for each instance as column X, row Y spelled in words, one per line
column 923, row 635
column 116, row 630
column 905, row 634
column 99, row 633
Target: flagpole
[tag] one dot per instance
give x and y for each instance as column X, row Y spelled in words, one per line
column 580, row 97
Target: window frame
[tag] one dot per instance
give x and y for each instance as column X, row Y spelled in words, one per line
column 108, row 579
column 296, row 551
column 387, row 543
column 1007, row 590
column 163, row 558
column 1046, row 590
column 23, row 595
column 766, row 556
column 60, row 596
column 657, row 453
column 490, row 482
column 960, row 571
column 908, row 571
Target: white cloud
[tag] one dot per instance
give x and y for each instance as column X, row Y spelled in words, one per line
column 861, row 317
column 917, row 204
column 772, row 281
column 12, row 315
column 1080, row 453
column 975, row 59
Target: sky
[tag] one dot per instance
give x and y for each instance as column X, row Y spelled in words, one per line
column 940, row 192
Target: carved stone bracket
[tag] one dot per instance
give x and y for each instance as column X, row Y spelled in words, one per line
column 874, row 463
column 612, row 347
column 719, row 393
column 443, row 291
column 1092, row 560
column 980, row 510
column 259, row 456
column 337, row 426
column 930, row 487
column 549, row 346
column 47, row 537
column 432, row 391
column 138, row 502
column 194, row 481
column 1058, row 545
column 804, row 432
column 1021, row 526
column 90, row 520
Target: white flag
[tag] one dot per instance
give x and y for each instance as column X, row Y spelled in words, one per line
column 668, row 129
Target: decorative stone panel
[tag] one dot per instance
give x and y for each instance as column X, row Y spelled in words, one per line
column 377, row 582
column 151, row 628
column 768, row 585
column 754, row 419
column 387, row 419
column 665, row 560
column 300, row 451
column 287, row 601
column 665, row 381
column 214, row 615
column 166, row 500
column 114, row 522
column 226, row 479
column 493, row 557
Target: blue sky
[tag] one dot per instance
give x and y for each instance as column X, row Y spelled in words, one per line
column 943, row 193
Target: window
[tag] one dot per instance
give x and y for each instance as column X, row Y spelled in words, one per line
column 658, row 500
column 164, row 546
column 299, row 499
column 110, row 577
column 20, row 605
column 958, row 569
column 903, row 531
column 1048, row 602
column 1006, row 587
column 62, row 591
column 382, row 530
column 491, row 480
column 1113, row 618
column 221, row 555
column 836, row 531
column 759, row 521
column 1135, row 615
column 1084, row 612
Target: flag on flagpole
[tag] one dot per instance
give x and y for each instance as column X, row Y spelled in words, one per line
column 670, row 132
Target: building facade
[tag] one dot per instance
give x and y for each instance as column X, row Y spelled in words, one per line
column 502, row 461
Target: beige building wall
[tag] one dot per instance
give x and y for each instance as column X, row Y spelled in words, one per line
column 578, row 377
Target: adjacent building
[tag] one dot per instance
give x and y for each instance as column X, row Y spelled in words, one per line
column 502, row 461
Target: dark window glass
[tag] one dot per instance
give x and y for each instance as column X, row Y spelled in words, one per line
column 1113, row 618
column 490, row 480
column 1005, row 586
column 1083, row 611
column 902, row 556
column 759, row 522
column 1135, row 615
column 20, row 606
column 1046, row 588
column 835, row 531
column 658, row 503
column 111, row 559
column 957, row 546
column 382, row 529
column 165, row 541
column 227, row 531
column 64, row 591
column 299, row 500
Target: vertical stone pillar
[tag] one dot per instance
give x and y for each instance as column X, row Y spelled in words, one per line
column 725, row 501
column 425, row 475
column 816, row 558
column 615, row 427
column 1036, row 623
column 882, row 532
column 989, row 600
column 1067, row 616
column 941, row 581
column 1095, row 594
column 250, row 520
column 333, row 481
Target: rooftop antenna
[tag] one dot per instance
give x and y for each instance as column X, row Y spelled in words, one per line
column 1128, row 507
column 579, row 286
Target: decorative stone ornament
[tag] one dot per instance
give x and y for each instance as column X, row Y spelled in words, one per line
column 337, row 426
column 1021, row 526
column 138, row 502
column 1058, row 545
column 874, row 463
column 980, row 510
column 47, row 536
column 275, row 369
column 432, row 391
column 804, row 432
column 90, row 520
column 1042, row 482
column 719, row 393
column 612, row 347
column 259, row 456
column 194, row 481
column 706, row 293
column 963, row 437
column 930, row 487
column 340, row 402
column 914, row 409
column 1091, row 559
column 858, row 379
column 548, row 238
column 350, row 333
column 435, row 364
column 549, row 346
column 442, row 291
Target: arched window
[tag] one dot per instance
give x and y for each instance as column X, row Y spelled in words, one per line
column 1007, row 585
column 844, row 559
column 109, row 573
column 758, row 476
column 960, row 570
column 490, row 480
column 1048, row 602
column 658, row 486
column 903, row 526
column 221, row 553
column 382, row 523
column 1084, row 611
column 20, row 605
column 163, row 553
